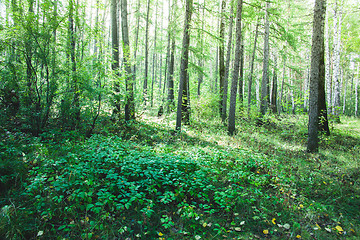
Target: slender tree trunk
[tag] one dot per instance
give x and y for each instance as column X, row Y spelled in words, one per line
column 154, row 60
column 115, row 52
column 129, row 78
column 146, row 53
column 337, row 40
column 182, row 106
column 317, row 72
column 282, row 87
column 235, row 75
column 227, row 64
column 241, row 78
column 201, row 60
column 264, row 82
column 357, row 92
column 344, row 98
column 328, row 66
column 170, row 98
column 252, row 68
column 306, row 89
column 274, row 88
column 76, row 99
column 221, row 59
column 136, row 41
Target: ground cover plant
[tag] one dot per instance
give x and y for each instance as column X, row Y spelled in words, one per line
column 144, row 182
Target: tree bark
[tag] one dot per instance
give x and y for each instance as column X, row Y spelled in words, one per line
column 274, row 88
column 336, row 70
column 146, row 53
column 328, row 79
column 182, row 105
column 129, row 78
column 252, row 68
column 136, row 41
column 227, row 63
column 317, row 72
column 221, row 59
column 241, row 78
column 264, row 82
column 115, row 52
column 235, row 75
column 357, row 92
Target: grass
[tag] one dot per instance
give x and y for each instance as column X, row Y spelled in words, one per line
column 142, row 181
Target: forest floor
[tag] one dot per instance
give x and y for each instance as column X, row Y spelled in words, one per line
column 143, row 181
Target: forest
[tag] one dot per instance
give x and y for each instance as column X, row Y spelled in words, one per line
column 179, row 119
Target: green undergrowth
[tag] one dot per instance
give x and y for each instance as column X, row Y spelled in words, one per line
column 145, row 182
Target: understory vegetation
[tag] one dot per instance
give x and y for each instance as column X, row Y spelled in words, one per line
column 142, row 181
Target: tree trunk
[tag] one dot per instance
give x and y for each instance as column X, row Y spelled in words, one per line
column 115, row 52
column 317, row 73
column 274, row 89
column 344, row 98
column 201, row 60
column 235, row 75
column 264, row 82
column 328, row 66
column 146, row 53
column 241, row 78
column 227, row 64
column 170, row 98
column 221, row 59
column 136, row 41
column 337, row 40
column 182, row 105
column 252, row 68
column 292, row 97
column 357, row 92
column 154, row 59
column 76, row 99
column 129, row 78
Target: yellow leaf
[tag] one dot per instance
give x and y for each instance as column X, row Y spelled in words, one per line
column 298, row 236
column 161, row 234
column 339, row 228
column 301, row 206
column 273, row 221
column 204, row 224
column 266, row 232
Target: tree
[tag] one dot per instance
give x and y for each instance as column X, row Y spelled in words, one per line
column 227, row 63
column 265, row 80
column 273, row 105
column 129, row 77
column 182, row 113
column 252, row 68
column 145, row 86
column 235, row 74
column 336, row 69
column 221, row 59
column 115, row 52
column 317, row 73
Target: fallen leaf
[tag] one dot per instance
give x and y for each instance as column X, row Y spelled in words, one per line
column 273, row 221
column 238, row 229
column 40, row 233
column 339, row 228
column 328, row 229
column 160, row 234
column 298, row 236
column 266, row 232
column 242, row 223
